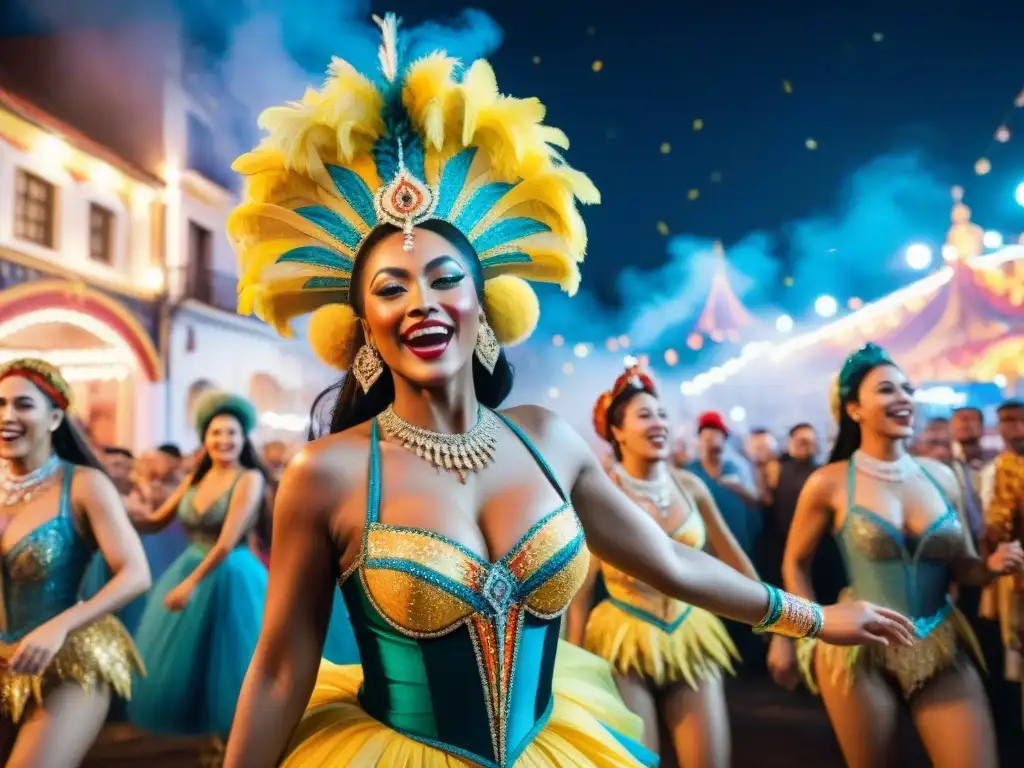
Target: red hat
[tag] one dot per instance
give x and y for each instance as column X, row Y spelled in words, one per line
column 712, row 420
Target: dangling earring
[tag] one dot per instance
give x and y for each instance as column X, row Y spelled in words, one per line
column 367, row 367
column 487, row 349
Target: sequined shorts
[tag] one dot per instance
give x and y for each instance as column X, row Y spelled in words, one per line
column 99, row 653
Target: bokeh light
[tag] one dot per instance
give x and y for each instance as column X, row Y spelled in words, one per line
column 993, row 240
column 919, row 256
column 784, row 324
column 826, row 306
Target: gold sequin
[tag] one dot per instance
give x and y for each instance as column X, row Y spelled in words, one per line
column 555, row 594
column 872, row 539
column 413, row 604
column 98, row 653
column 637, row 594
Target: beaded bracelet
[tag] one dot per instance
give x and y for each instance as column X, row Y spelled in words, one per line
column 790, row 616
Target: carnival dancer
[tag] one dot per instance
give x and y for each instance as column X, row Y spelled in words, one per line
column 407, row 212
column 668, row 656
column 203, row 618
column 903, row 543
column 61, row 660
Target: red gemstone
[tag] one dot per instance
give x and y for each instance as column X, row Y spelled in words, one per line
column 405, row 198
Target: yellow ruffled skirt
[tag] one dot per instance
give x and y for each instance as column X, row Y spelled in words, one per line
column 697, row 649
column 99, row 653
column 911, row 668
column 337, row 732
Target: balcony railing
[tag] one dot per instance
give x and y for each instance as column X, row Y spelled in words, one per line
column 213, row 288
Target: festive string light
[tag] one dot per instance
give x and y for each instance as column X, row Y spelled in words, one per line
column 1002, row 134
column 624, row 341
column 919, row 256
column 787, row 87
column 698, row 124
column 662, row 228
column 558, row 340
column 982, row 166
column 597, row 66
column 826, row 306
column 581, row 350
column 665, row 147
column 811, row 144
column 693, row 194
column 784, row 324
column 671, row 357
column 992, row 240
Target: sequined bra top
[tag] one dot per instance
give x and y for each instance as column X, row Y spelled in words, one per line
column 204, row 527
column 644, row 602
column 43, row 571
column 888, row 566
column 458, row 652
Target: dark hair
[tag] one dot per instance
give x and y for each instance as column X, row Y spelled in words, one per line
column 938, row 420
column 848, row 437
column 802, row 425
column 352, row 406
column 970, row 409
column 170, row 449
column 249, row 459
column 70, row 444
column 114, row 450
column 758, row 431
column 1012, row 404
column 617, row 412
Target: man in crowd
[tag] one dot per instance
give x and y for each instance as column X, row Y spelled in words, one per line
column 935, row 442
column 967, row 461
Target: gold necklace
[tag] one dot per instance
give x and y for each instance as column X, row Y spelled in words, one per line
column 462, row 453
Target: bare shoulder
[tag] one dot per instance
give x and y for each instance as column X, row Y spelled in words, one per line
column 89, row 483
column 691, row 482
column 330, row 464
column 536, row 420
column 941, row 473
column 825, row 481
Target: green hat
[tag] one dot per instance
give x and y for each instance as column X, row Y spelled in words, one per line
column 214, row 404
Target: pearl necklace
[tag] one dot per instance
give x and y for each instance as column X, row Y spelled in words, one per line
column 19, row 488
column 658, row 491
column 886, row 471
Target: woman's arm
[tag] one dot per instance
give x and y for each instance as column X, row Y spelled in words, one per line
column 579, row 610
column 299, row 599
column 720, row 537
column 154, row 522
column 621, row 534
column 812, row 521
column 244, row 506
column 94, row 494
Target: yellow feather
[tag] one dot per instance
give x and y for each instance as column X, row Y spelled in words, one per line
column 427, row 91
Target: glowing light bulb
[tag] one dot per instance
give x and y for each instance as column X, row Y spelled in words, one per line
column 153, row 279
column 992, row 240
column 826, row 306
column 919, row 256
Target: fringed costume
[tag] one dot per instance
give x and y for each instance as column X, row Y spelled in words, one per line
column 638, row 629
column 41, row 575
column 461, row 662
column 912, row 575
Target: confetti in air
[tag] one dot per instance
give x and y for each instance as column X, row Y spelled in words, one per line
column 811, row 144
column 662, row 228
column 878, row 37
column 787, row 87
column 698, row 124
column 536, row 59
column 693, row 194
column 1002, row 134
column 665, row 147
column 787, row 281
column 983, row 166
column 597, row 66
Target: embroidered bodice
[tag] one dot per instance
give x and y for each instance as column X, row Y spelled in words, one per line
column 645, row 602
column 890, row 567
column 459, row 652
column 43, row 571
column 204, row 527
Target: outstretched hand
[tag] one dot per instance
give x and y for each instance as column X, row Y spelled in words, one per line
column 858, row 623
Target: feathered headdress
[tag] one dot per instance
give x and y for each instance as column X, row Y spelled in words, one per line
column 45, row 376
column 428, row 142
column 633, row 380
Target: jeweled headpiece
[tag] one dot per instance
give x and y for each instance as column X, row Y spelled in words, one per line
column 426, row 140
column 214, row 404
column 45, row 376
column 633, row 379
column 856, row 366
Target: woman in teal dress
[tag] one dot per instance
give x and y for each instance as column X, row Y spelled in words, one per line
column 409, row 213
column 904, row 544
column 61, row 659
column 200, row 626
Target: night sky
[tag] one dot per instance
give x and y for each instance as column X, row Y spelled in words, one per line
column 900, row 103
column 938, row 83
